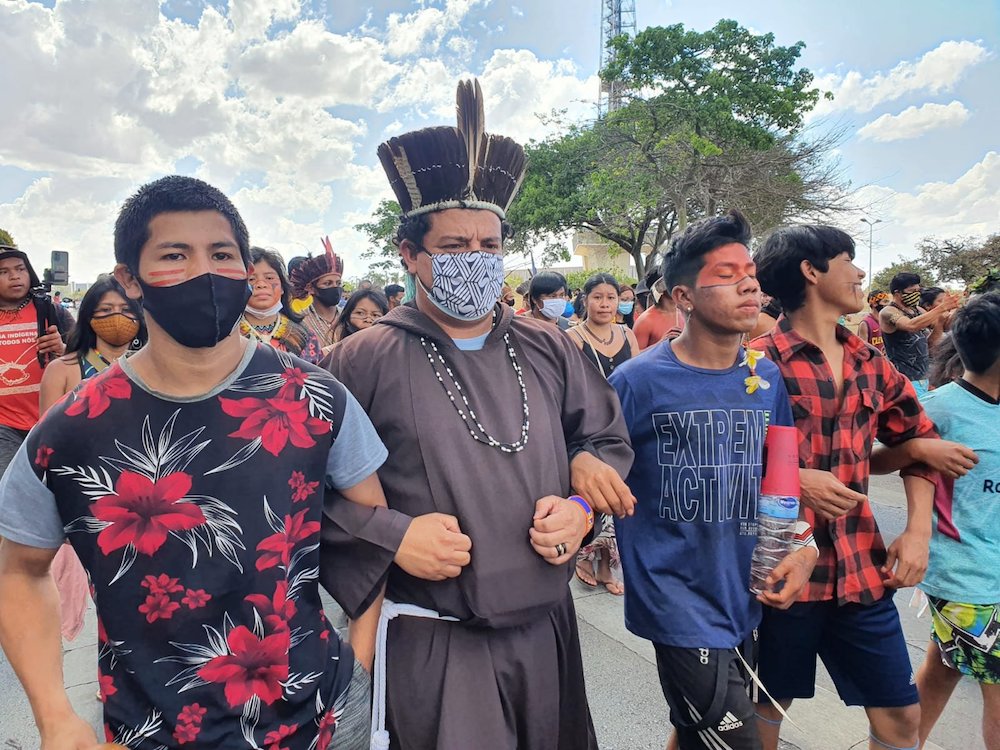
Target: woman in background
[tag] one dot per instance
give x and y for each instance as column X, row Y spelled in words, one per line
column 606, row 345
column 363, row 310
column 108, row 323
column 548, row 295
column 268, row 317
column 626, row 306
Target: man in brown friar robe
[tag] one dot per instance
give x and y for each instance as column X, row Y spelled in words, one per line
column 491, row 421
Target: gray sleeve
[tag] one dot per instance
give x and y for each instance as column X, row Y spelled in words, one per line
column 28, row 513
column 357, row 452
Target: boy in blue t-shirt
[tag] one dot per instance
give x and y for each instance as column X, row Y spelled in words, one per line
column 963, row 575
column 697, row 409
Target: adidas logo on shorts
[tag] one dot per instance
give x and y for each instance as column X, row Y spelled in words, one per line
column 729, row 722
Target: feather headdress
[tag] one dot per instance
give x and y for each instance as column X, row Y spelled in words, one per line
column 460, row 167
column 310, row 269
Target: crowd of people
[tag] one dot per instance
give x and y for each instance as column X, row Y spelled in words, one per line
column 217, row 434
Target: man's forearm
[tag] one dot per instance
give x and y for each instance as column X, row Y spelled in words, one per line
column 886, row 460
column 363, row 631
column 919, row 504
column 924, row 320
column 29, row 634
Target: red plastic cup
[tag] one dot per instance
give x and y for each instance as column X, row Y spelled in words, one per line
column 781, row 472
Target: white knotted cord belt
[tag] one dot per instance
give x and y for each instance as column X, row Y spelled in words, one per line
column 390, row 611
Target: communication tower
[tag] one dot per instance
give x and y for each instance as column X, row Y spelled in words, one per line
column 617, row 18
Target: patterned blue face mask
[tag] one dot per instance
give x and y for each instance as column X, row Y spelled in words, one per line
column 465, row 286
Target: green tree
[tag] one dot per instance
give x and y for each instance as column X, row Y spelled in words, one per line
column 880, row 280
column 576, row 279
column 382, row 254
column 960, row 259
column 720, row 125
column 6, row 238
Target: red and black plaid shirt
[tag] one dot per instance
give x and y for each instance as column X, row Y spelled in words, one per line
column 837, row 436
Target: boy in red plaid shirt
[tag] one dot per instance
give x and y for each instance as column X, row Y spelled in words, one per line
column 844, row 395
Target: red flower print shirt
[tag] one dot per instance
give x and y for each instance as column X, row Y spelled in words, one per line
column 198, row 522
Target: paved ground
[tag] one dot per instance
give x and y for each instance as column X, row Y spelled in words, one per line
column 629, row 711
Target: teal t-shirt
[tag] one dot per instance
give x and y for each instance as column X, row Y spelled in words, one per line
column 965, row 544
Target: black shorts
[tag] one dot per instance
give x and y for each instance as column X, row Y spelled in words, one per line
column 861, row 645
column 706, row 689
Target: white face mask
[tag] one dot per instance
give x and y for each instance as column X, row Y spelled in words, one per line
column 272, row 310
column 553, row 308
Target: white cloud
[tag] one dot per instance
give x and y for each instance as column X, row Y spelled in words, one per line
column 968, row 206
column 311, row 63
column 68, row 213
column 913, row 122
column 937, row 71
column 518, row 87
column 422, row 31
column 252, row 18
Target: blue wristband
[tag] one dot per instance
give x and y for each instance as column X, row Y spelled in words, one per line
column 586, row 509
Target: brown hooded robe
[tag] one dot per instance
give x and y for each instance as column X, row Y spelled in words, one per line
column 510, row 673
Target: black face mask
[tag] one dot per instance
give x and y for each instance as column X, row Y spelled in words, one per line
column 330, row 296
column 509, row 302
column 199, row 312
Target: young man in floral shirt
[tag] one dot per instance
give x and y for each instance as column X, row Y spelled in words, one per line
column 190, row 480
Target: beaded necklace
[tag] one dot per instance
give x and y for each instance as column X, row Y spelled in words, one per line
column 15, row 310
column 273, row 330
column 432, row 352
column 608, row 342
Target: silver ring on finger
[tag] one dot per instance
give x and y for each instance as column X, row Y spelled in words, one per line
column 560, row 549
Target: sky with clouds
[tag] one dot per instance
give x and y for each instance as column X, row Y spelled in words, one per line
column 282, row 103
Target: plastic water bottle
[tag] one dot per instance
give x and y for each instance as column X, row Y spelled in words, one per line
column 778, row 506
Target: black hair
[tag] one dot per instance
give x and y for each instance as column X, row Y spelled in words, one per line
column 82, row 338
column 946, row 365
column 343, row 329
column 295, row 263
column 546, row 282
column 275, row 261
column 688, row 249
column 779, row 260
column 601, row 278
column 168, row 195
column 928, row 295
column 413, row 228
column 976, row 331
column 902, row 280
column 393, row 289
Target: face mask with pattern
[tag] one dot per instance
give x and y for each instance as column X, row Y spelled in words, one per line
column 464, row 286
column 911, row 299
column 116, row 328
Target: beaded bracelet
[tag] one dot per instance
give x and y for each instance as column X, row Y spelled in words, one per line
column 586, row 509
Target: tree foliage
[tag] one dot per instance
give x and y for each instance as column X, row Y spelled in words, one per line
column 382, row 254
column 576, row 279
column 719, row 124
column 6, row 238
column 881, row 279
column 960, row 259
